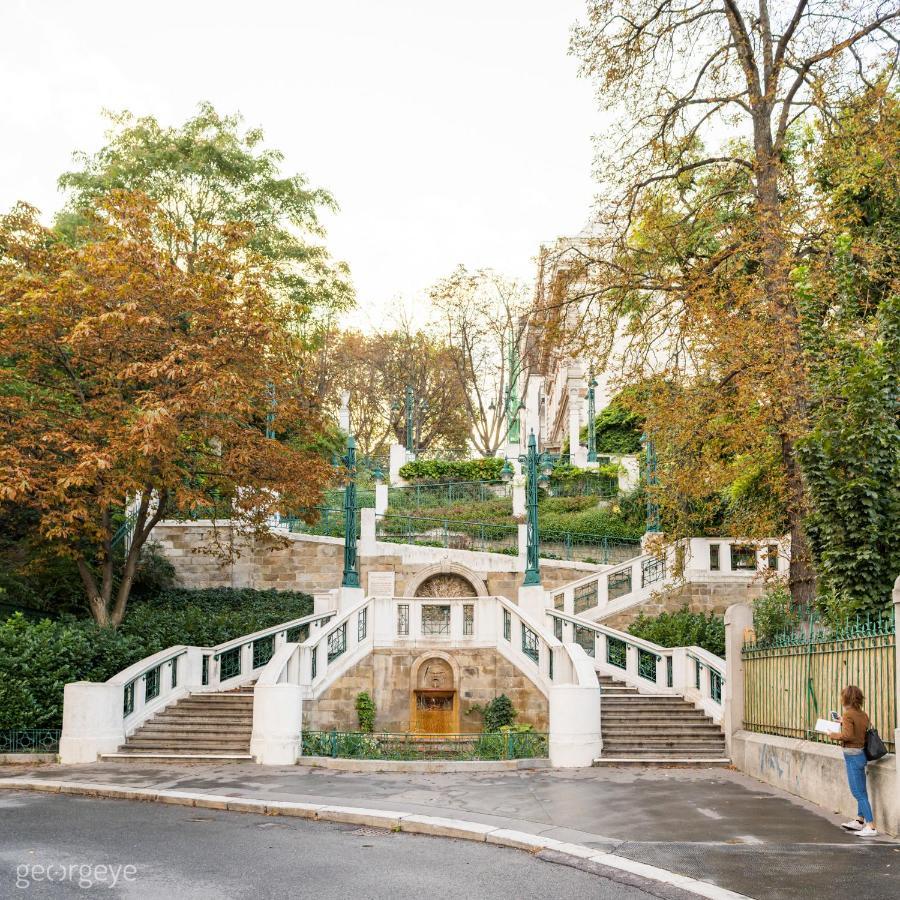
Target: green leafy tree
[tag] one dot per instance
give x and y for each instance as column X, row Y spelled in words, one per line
column 208, row 173
column 365, row 712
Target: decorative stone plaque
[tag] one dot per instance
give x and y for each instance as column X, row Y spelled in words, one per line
column 381, row 584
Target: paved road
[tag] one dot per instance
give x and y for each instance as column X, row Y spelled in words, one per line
column 178, row 852
column 715, row 825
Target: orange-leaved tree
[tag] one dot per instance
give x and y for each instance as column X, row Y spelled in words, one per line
column 128, row 382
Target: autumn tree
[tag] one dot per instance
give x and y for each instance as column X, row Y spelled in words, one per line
column 483, row 317
column 209, row 172
column 702, row 221
column 375, row 370
column 126, row 376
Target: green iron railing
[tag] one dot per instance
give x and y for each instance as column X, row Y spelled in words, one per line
column 410, row 746
column 29, row 740
column 449, row 533
column 593, row 548
column 326, row 520
column 796, row 678
column 440, row 493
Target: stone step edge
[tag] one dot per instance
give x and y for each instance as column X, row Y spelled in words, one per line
column 163, row 754
column 566, row 853
column 663, row 760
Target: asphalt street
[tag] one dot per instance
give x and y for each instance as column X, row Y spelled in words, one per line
column 61, row 846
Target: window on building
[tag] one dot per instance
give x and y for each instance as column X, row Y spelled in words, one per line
column 743, row 556
column 772, row 556
column 403, row 618
column 468, row 619
column 435, row 619
column 714, row 563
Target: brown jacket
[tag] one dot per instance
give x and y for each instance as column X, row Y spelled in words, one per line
column 854, row 724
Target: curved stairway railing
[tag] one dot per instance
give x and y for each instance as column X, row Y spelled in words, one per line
column 159, row 680
column 689, row 672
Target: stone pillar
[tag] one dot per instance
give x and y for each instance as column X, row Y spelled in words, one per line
column 532, row 599
column 367, row 518
column 629, row 473
column 575, row 738
column 381, row 499
column 738, row 617
column 523, row 543
column 518, row 497
column 275, row 739
column 397, row 459
column 325, row 601
column 92, row 721
column 577, row 453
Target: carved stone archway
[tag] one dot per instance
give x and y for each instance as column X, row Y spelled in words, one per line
column 446, row 580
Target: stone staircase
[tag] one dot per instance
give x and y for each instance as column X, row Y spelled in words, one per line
column 648, row 729
column 201, row 727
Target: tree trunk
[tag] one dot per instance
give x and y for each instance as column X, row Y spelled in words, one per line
column 786, row 331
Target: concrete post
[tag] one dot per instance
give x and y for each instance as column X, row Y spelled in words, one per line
column 523, row 543
column 533, row 602
column 577, row 453
column 92, row 721
column 366, row 545
column 397, row 459
column 738, row 617
column 275, row 739
column 325, row 601
column 381, row 499
column 629, row 473
column 344, row 413
column 518, row 498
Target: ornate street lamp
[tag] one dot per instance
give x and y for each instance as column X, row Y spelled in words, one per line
column 653, row 518
column 532, row 461
column 592, row 437
column 351, row 567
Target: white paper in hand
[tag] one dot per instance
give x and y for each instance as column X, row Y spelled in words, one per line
column 827, row 727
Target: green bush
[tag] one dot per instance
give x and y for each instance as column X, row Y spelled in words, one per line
column 617, row 430
column 487, row 469
column 365, row 712
column 682, row 629
column 774, row 613
column 38, row 658
column 497, row 713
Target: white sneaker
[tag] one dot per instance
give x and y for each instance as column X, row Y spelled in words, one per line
column 866, row 832
column 853, row 825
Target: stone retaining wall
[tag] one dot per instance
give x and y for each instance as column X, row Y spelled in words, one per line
column 387, row 676
column 313, row 564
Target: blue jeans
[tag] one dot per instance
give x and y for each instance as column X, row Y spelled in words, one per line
column 855, row 761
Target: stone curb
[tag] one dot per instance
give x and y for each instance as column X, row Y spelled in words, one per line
column 406, row 822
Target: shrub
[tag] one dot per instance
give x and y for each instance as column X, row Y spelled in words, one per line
column 487, row 469
column 496, row 714
column 38, row 658
column 773, row 613
column 365, row 712
column 682, row 629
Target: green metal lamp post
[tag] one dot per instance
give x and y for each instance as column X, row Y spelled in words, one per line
column 532, row 460
column 351, row 567
column 592, row 437
column 653, row 518
column 270, row 415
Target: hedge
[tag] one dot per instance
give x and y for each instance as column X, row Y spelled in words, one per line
column 487, row 469
column 682, row 629
column 38, row 658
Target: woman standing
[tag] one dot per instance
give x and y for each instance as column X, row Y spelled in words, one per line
column 854, row 724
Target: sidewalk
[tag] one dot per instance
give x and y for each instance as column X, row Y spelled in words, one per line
column 714, row 825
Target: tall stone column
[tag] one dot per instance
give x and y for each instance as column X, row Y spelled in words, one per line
column 577, row 453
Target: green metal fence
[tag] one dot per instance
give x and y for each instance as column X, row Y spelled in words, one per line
column 430, row 494
column 591, row 548
column 325, row 520
column 450, row 533
column 29, row 740
column 796, row 678
column 410, row 746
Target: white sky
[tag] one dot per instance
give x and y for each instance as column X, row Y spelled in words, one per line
column 448, row 132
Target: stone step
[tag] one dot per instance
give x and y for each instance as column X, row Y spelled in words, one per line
column 217, row 700
column 653, row 750
column 662, row 713
column 677, row 761
column 641, row 728
column 187, row 726
column 165, row 756
column 221, row 723
column 187, row 745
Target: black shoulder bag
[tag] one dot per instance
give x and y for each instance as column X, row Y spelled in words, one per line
column 874, row 747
